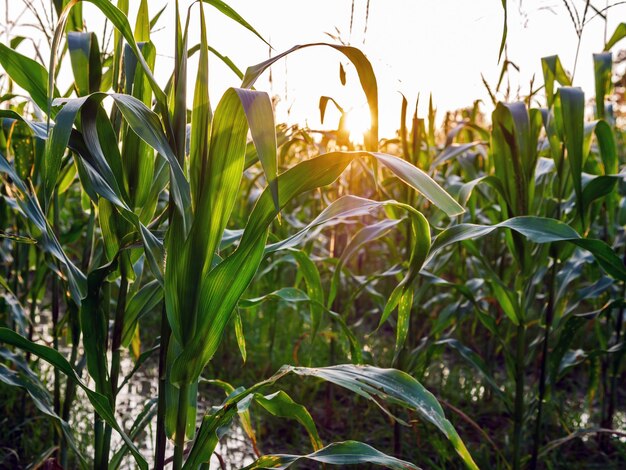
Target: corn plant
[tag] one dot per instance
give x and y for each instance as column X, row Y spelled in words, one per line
column 239, row 239
column 162, row 206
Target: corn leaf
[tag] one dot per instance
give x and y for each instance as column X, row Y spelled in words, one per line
column 337, row 453
column 602, row 68
column 553, row 71
column 375, row 384
column 27, row 74
column 537, row 230
column 618, row 35
column 572, row 115
column 86, row 63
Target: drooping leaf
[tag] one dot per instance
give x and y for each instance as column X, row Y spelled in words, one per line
column 28, row 74
column 395, row 387
column 537, row 230
column 363, row 236
column 375, row 384
column 477, row 363
column 337, row 453
column 46, row 238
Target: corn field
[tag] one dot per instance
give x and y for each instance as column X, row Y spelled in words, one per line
column 187, row 284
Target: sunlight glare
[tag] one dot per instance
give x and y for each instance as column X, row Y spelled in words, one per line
column 357, row 124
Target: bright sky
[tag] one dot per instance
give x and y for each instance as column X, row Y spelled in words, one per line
column 415, row 46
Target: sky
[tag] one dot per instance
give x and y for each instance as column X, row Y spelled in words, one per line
column 438, row 47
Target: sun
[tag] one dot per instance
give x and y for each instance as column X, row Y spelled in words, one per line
column 358, row 124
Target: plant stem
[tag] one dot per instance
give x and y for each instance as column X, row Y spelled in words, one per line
column 55, row 319
column 607, row 421
column 544, row 361
column 181, row 425
column 518, row 416
column 118, row 327
column 32, row 312
column 116, row 342
column 616, row 363
column 98, row 438
column 161, row 440
column 70, row 386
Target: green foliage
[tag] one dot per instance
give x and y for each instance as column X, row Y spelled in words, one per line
column 484, row 264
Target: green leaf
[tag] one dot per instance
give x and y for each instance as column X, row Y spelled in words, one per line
column 201, row 116
column 47, row 239
column 229, row 63
column 241, row 339
column 137, row 156
column 373, row 383
column 288, row 294
column 402, row 295
column 94, row 326
column 393, row 386
column 504, row 30
column 598, row 187
column 143, row 420
column 572, row 107
column 343, row 208
column 606, row 144
column 537, row 230
column 507, row 303
column 405, row 304
column 260, row 115
column 338, row 453
column 220, row 176
column 553, row 71
column 452, row 151
column 86, row 63
column 602, row 68
column 280, row 404
column 365, row 235
column 27, row 74
column 143, row 122
column 144, row 301
column 119, row 19
column 142, row 25
column 147, row 126
column 315, row 291
column 420, row 181
column 618, row 35
column 514, row 152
